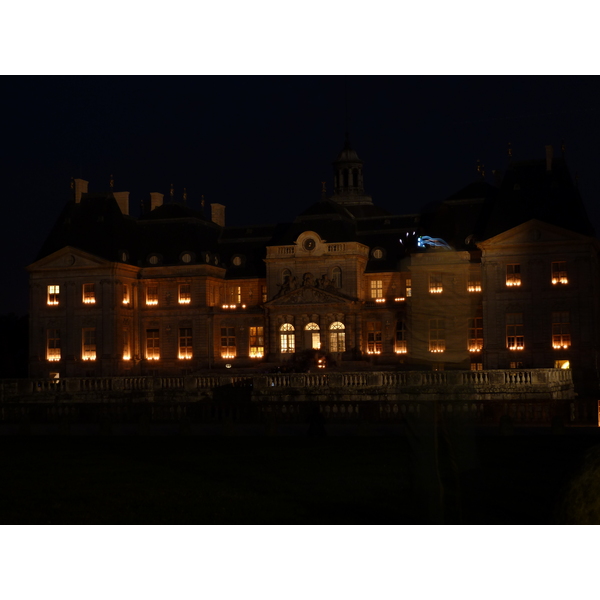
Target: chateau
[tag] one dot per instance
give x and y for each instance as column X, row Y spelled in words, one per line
column 494, row 277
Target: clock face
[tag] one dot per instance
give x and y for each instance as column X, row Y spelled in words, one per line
column 309, row 244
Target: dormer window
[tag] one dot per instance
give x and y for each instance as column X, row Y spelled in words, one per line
column 153, row 260
column 89, row 293
column 53, row 295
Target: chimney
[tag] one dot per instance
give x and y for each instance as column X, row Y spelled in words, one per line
column 217, row 214
column 156, row 200
column 80, row 188
column 122, row 199
column 549, row 153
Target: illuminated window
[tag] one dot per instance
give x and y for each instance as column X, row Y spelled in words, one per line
column 513, row 275
column 435, row 283
column 475, row 336
column 562, row 364
column 561, row 330
column 185, row 343
column 514, row 331
column 185, row 293
column 408, row 288
column 476, row 366
column 89, row 293
column 126, row 345
column 53, row 294
column 257, row 342
column 376, row 288
column 336, row 277
column 559, row 273
column 264, row 293
column 337, row 337
column 374, row 337
column 315, row 335
column 235, row 294
column 516, row 365
column 126, row 297
column 401, row 346
column 88, row 343
column 152, row 344
column 53, row 344
column 152, row 295
column 287, row 338
column 437, row 335
column 473, row 285
column 228, row 349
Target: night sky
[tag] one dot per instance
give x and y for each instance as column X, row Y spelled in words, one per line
column 261, row 145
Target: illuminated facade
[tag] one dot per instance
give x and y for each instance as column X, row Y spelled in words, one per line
column 490, row 278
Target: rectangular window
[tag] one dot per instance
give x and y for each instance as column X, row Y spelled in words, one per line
column 185, row 343
column 374, row 337
column 559, row 273
column 475, row 335
column 561, row 330
column 474, row 284
column 408, row 288
column 513, row 275
column 228, row 349
column 264, row 293
column 376, row 288
column 257, row 342
column 53, row 294
column 516, row 365
column 235, row 295
column 185, row 293
column 435, row 283
column 152, row 344
column 514, row 331
column 126, row 297
column 401, row 347
column 476, row 366
column 89, row 293
column 437, row 335
column 152, row 295
column 88, row 343
column 126, row 345
column 53, row 345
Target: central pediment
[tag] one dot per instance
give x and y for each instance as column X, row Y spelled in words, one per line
column 309, row 295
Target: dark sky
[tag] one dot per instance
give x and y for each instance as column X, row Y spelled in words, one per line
column 261, row 145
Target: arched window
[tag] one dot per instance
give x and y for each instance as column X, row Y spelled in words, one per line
column 337, row 337
column 287, row 338
column 336, row 277
column 315, row 336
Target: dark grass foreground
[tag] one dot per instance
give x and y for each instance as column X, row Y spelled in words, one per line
column 479, row 479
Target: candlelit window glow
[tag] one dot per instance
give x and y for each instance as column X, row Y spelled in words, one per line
column 53, row 294
column 89, row 293
column 475, row 339
column 287, row 338
column 152, row 344
column 473, row 286
column 374, row 337
column 185, row 343
column 257, row 342
column 559, row 273
column 53, row 345
column 435, row 284
column 513, row 275
column 152, row 295
column 228, row 345
column 561, row 330
column 376, row 288
column 337, row 337
column 126, row 297
column 437, row 335
column 515, row 339
column 185, row 293
column 88, row 343
column 408, row 288
column 401, row 345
